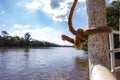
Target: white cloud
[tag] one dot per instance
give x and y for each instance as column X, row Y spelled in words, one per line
column 79, row 9
column 82, row 0
column 3, row 12
column 3, row 25
column 55, row 12
column 58, row 9
column 73, row 0
column 110, row 1
column 17, row 26
column 33, row 5
column 20, row 26
column 43, row 34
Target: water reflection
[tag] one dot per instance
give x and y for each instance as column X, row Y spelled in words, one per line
column 26, row 50
column 3, row 50
column 44, row 64
column 81, row 62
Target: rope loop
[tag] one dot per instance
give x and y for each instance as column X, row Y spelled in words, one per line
column 81, row 36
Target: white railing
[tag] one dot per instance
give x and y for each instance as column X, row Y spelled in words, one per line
column 97, row 70
column 112, row 51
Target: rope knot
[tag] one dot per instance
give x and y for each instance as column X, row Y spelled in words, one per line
column 80, row 34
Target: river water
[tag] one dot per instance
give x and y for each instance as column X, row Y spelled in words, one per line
column 44, row 64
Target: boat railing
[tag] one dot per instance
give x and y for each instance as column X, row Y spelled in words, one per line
column 113, row 51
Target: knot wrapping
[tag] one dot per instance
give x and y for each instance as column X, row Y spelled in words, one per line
column 81, row 35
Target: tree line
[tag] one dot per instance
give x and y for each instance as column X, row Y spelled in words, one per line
column 15, row 41
column 113, row 14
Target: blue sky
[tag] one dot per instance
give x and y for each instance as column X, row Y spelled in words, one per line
column 45, row 20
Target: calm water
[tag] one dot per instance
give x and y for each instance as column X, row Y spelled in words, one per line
column 43, row 64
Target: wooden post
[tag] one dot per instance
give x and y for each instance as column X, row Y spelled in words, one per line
column 119, row 25
column 119, row 28
column 98, row 43
column 99, row 63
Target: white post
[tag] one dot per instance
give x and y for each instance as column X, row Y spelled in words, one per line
column 112, row 55
column 100, row 72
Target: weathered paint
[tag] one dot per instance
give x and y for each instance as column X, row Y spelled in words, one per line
column 100, row 72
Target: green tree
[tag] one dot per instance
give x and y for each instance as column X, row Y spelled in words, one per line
column 22, row 42
column 27, row 37
column 16, row 41
column 5, row 38
column 1, row 41
column 113, row 14
column 4, row 33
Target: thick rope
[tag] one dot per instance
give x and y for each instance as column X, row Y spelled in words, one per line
column 82, row 35
column 70, row 26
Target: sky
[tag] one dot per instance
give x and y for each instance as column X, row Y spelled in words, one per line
column 45, row 20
